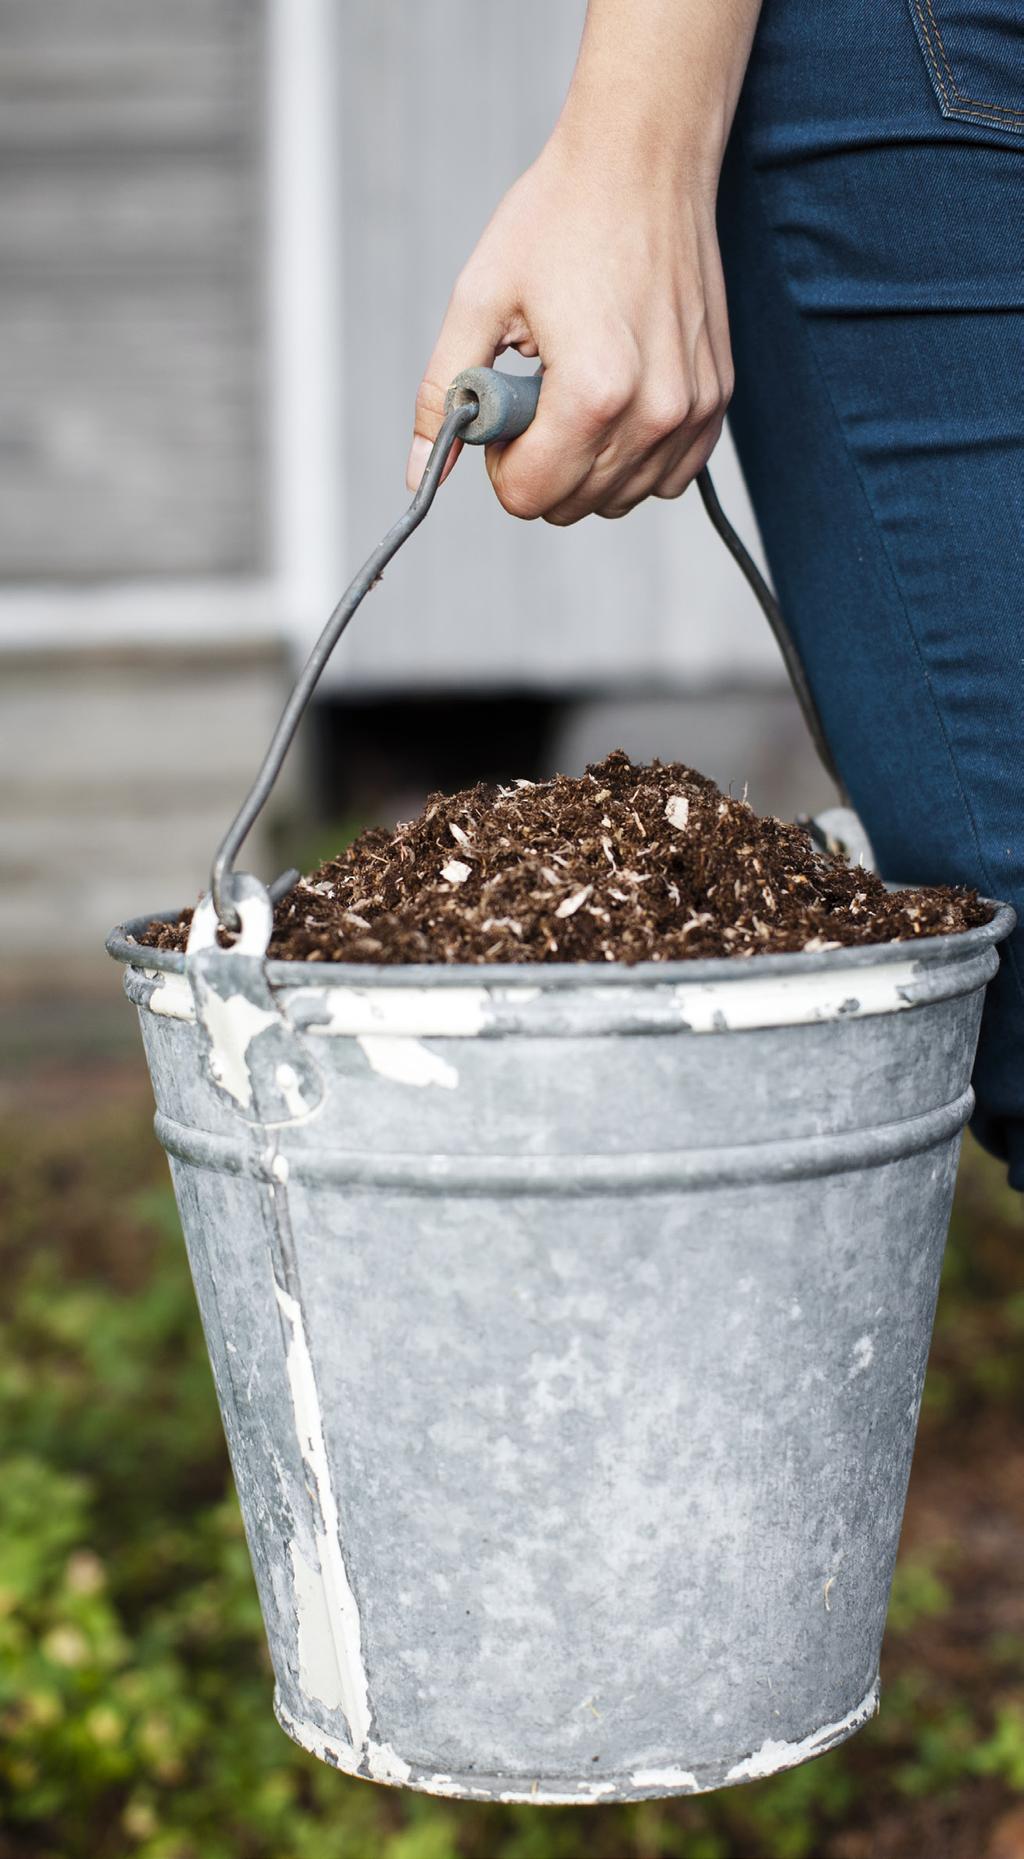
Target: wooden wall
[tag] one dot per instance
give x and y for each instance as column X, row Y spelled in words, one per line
column 131, row 279
column 132, row 448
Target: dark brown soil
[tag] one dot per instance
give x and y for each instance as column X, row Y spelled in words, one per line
column 624, row 863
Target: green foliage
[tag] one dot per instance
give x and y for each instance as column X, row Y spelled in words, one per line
column 789, row 1812
column 918, row 1593
column 135, row 1718
column 977, row 1359
column 1002, row 1753
column 943, row 1748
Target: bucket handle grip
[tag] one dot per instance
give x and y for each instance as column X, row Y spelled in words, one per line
column 482, row 406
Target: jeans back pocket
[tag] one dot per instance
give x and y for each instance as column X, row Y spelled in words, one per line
column 974, row 50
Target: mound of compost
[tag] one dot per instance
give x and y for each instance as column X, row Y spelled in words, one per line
column 623, row 864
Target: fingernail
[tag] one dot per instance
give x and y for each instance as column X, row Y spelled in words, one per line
column 419, row 452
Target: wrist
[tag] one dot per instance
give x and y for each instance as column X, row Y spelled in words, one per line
column 655, row 88
column 623, row 146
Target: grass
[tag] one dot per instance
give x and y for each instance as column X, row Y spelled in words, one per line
column 134, row 1687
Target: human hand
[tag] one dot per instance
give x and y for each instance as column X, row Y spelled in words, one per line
column 614, row 279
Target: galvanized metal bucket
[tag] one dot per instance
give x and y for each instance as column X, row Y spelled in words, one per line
column 569, row 1326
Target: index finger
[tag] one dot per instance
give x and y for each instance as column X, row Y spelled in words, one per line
column 470, row 337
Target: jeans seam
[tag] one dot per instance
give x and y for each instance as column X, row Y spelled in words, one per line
column 972, row 107
column 997, row 109
column 805, row 323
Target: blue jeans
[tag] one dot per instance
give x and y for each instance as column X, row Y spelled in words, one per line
column 872, row 225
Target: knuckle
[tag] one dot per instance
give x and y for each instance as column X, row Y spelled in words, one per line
column 470, row 295
column 429, row 401
column 707, row 402
column 601, row 399
column 518, row 500
column 663, row 415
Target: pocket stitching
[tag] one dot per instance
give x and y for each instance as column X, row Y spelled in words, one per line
column 964, row 103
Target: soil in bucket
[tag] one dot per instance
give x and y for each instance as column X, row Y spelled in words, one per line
column 624, row 863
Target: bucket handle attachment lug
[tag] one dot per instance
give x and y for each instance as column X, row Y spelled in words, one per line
column 255, row 1058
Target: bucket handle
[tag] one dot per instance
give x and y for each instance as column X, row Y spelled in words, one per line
column 482, row 406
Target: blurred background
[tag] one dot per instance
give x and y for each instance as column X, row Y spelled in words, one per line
column 228, row 229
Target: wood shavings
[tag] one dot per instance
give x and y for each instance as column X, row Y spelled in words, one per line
column 624, row 864
column 569, row 905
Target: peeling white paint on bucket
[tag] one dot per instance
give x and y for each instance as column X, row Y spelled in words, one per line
column 330, row 1651
column 775, row 1755
column 406, row 1061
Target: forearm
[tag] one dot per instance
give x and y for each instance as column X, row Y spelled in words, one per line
column 656, row 85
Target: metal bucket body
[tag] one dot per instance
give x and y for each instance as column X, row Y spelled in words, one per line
column 570, row 1350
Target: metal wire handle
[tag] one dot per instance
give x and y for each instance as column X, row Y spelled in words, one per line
column 291, row 716
column 481, row 405
column 773, row 614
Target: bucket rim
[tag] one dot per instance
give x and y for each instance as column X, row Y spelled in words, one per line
column 123, row 945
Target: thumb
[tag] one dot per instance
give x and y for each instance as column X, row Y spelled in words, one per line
column 471, row 335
